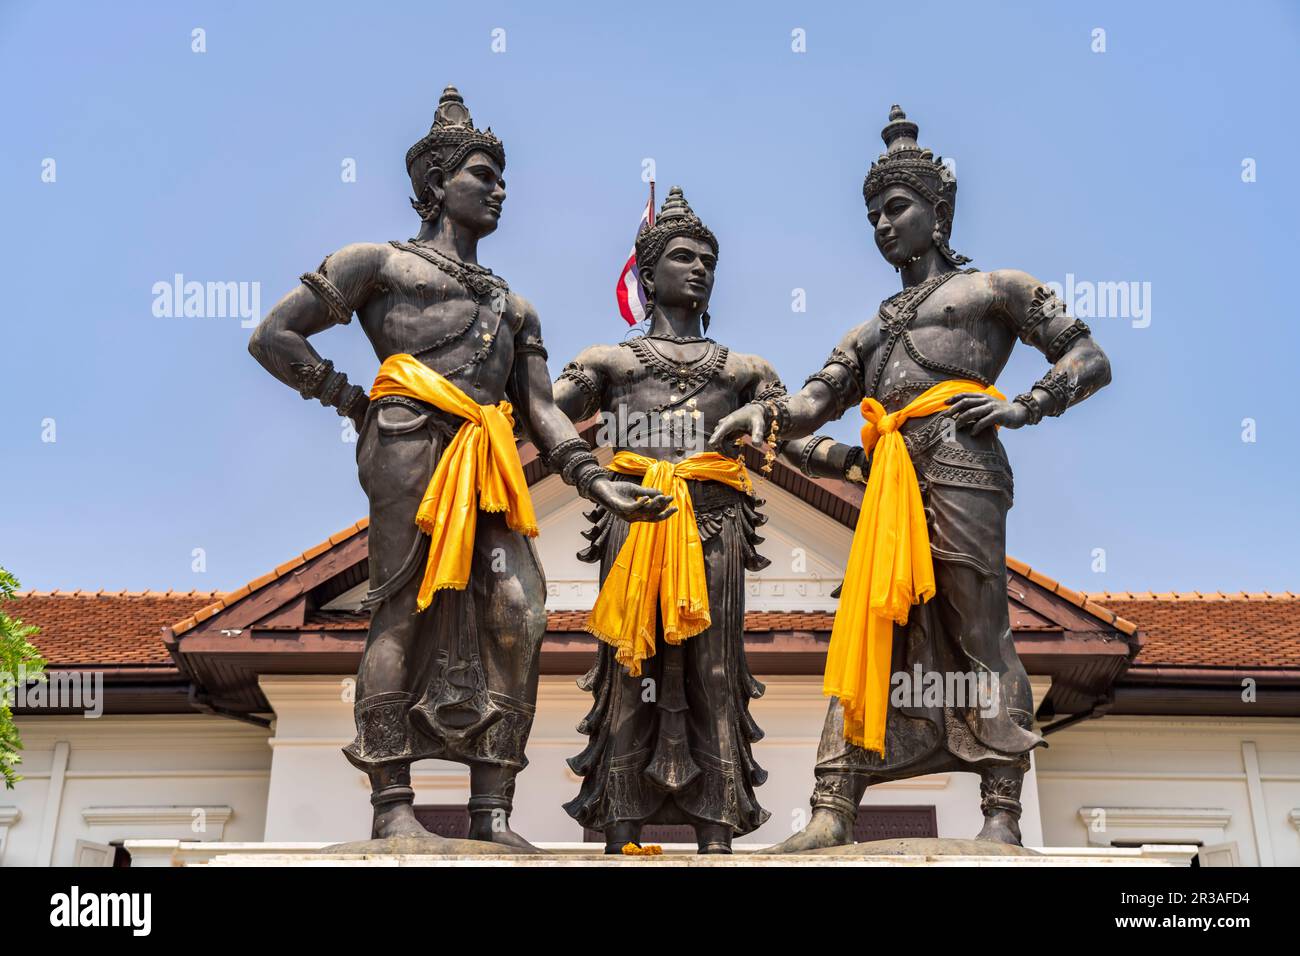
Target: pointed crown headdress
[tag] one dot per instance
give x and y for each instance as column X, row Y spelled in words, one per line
column 676, row 218
column 905, row 162
column 453, row 132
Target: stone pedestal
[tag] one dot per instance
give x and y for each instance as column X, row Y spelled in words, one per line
column 457, row 853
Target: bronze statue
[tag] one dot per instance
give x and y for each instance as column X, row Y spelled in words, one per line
column 950, row 330
column 462, row 356
column 670, row 727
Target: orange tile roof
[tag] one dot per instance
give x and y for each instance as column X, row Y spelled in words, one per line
column 789, row 621
column 566, row 620
column 1185, row 596
column 1191, row 629
column 1181, row 629
column 104, row 628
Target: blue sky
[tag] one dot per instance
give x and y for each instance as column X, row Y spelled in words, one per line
column 224, row 166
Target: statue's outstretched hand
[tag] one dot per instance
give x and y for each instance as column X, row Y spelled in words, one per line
column 978, row 411
column 632, row 502
column 748, row 420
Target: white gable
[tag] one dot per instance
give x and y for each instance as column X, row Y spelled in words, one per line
column 807, row 549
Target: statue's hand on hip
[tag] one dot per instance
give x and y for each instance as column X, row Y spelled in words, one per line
column 632, row 502
column 978, row 411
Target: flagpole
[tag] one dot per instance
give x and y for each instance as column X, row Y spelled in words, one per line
column 652, row 203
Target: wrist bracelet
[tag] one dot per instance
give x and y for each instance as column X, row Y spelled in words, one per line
column 320, row 381
column 561, row 454
column 1031, row 405
column 311, row 378
column 588, row 477
column 855, row 466
column 1057, row 385
column 577, row 465
column 770, row 391
column 810, row 449
column 354, row 394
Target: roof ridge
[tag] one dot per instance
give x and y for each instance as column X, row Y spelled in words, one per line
column 203, row 613
column 1187, row 596
column 123, row 593
column 1077, row 598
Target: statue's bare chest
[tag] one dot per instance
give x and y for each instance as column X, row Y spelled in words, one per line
column 464, row 330
column 949, row 333
column 687, row 389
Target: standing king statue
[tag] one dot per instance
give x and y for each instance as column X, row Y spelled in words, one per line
column 457, row 597
column 925, row 586
column 670, row 730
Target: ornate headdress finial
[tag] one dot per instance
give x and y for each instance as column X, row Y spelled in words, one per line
column 675, row 206
column 676, row 218
column 452, row 110
column 906, row 163
column 454, row 129
column 900, row 130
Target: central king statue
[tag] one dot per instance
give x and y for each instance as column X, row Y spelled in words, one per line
column 670, row 727
column 925, row 587
column 450, row 665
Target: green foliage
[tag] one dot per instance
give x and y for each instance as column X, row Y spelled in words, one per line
column 17, row 656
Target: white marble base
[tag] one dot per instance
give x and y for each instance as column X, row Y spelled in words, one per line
column 177, row 853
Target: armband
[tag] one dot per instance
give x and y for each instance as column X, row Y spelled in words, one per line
column 329, row 295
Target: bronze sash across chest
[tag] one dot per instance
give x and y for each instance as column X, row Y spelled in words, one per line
column 896, row 317
column 477, row 285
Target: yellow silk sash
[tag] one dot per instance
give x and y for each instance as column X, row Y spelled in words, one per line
column 889, row 567
column 479, row 470
column 660, row 563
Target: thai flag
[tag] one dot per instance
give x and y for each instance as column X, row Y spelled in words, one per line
column 631, row 297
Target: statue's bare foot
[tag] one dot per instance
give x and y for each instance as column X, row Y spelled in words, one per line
column 823, row 830
column 398, row 821
column 498, row 831
column 1001, row 827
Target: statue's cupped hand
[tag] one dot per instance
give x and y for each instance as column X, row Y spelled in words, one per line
column 633, row 502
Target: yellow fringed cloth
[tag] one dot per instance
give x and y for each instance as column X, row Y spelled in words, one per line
column 478, row 471
column 889, row 568
column 661, row 564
